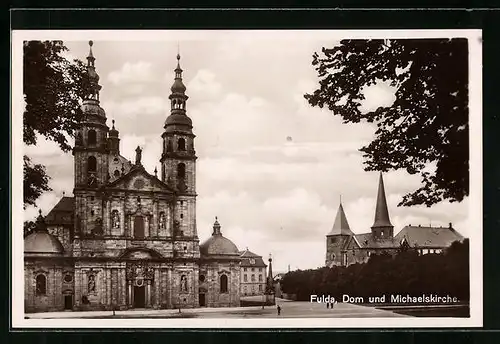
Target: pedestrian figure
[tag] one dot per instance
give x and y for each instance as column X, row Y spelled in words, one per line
column 279, row 310
column 328, row 305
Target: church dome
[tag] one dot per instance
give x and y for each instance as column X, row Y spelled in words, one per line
column 178, row 86
column 179, row 119
column 218, row 245
column 91, row 106
column 40, row 241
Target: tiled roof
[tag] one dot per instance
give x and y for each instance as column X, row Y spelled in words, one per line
column 247, row 257
column 367, row 240
column 340, row 226
column 429, row 236
column 381, row 211
column 62, row 213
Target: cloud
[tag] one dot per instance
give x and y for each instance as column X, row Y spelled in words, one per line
column 382, row 94
column 203, row 85
column 136, row 107
column 137, row 72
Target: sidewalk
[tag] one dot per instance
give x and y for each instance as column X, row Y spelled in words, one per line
column 140, row 312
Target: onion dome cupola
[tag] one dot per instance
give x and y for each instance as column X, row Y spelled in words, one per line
column 92, row 88
column 40, row 242
column 114, row 140
column 218, row 245
column 93, row 77
column 178, row 121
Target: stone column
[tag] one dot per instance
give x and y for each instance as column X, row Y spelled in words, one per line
column 123, row 285
column 78, row 286
column 108, row 286
column 124, row 217
column 108, row 218
column 130, row 304
column 156, row 227
column 148, row 294
column 169, row 287
column 157, row 287
column 170, row 219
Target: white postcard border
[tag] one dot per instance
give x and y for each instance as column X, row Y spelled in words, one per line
column 475, row 163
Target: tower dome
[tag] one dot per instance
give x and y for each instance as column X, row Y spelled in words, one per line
column 218, row 245
column 41, row 242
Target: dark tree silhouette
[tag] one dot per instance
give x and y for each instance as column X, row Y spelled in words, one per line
column 426, row 126
column 36, row 181
column 407, row 272
column 53, row 89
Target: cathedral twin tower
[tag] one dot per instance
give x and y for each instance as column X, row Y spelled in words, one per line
column 98, row 161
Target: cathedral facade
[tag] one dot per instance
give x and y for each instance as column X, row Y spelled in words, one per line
column 343, row 247
column 128, row 238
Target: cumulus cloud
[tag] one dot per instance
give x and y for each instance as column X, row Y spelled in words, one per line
column 203, row 84
column 131, row 73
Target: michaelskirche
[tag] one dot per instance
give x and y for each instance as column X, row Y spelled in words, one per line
column 343, row 247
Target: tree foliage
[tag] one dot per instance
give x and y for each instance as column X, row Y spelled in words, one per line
column 36, row 182
column 53, row 88
column 406, row 273
column 425, row 130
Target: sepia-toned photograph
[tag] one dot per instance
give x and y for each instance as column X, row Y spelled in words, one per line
column 246, row 179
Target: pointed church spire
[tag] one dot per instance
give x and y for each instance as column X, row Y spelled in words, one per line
column 340, row 226
column 381, row 211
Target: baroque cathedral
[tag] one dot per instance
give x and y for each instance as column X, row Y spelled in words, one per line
column 128, row 238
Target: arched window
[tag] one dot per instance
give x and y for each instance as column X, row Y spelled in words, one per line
column 116, row 173
column 169, row 146
column 181, row 171
column 223, row 284
column 41, row 284
column 92, row 137
column 92, row 164
column 181, row 144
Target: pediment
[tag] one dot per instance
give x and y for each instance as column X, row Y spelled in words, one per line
column 140, row 253
column 140, row 180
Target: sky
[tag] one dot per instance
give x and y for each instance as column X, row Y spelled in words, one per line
column 270, row 167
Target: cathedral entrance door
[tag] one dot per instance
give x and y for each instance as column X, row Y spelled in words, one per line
column 139, row 227
column 68, row 301
column 139, row 297
column 202, row 300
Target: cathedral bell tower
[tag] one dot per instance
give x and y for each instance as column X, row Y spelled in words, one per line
column 90, row 155
column 91, row 151
column 178, row 160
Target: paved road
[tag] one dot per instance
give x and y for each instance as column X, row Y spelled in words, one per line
column 289, row 309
